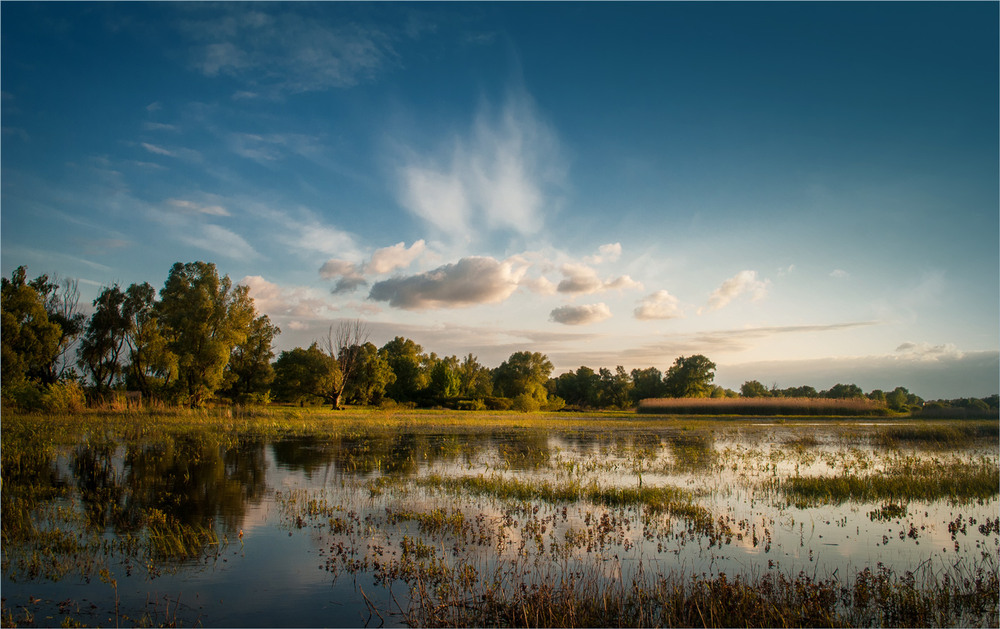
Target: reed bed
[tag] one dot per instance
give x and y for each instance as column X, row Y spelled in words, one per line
column 764, row 407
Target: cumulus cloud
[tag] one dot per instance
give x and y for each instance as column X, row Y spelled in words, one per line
column 468, row 282
column 580, row 279
column 659, row 305
column 539, row 285
column 397, row 256
column 493, row 178
column 581, row 315
column 347, row 274
column 743, row 283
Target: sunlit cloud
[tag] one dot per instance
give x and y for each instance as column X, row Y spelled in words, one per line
column 468, row 282
column 398, row 256
column 659, row 305
column 580, row 279
column 581, row 315
column 495, row 178
column 743, row 283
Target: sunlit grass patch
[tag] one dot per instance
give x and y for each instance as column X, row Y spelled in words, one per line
column 917, row 480
column 949, row 434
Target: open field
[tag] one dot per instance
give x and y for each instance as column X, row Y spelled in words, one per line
column 292, row 517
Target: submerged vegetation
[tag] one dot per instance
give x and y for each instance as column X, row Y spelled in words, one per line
column 548, row 519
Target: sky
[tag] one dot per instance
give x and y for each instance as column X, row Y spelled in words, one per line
column 805, row 193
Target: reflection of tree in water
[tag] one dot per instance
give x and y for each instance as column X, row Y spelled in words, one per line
column 693, row 451
column 386, row 452
column 194, row 479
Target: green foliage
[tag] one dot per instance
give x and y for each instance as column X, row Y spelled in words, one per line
column 249, row 372
column 30, row 341
column 152, row 367
column 843, row 392
column 404, row 358
column 302, row 375
column 690, row 376
column 205, row 317
column 753, row 388
column 104, row 339
column 61, row 397
column 445, row 380
column 524, row 373
column 372, row 377
column 647, row 383
column 476, row 381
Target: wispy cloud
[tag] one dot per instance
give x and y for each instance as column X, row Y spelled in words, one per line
column 468, row 282
column 218, row 240
column 581, row 315
column 606, row 253
column 280, row 51
column 659, row 305
column 495, row 178
column 839, row 274
column 197, row 208
column 743, row 283
column 928, row 351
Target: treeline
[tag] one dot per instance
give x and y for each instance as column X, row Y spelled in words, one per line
column 201, row 339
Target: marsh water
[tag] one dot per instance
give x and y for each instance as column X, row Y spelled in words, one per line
column 353, row 526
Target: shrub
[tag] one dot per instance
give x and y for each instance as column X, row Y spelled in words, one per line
column 525, row 403
column 61, row 397
column 497, row 403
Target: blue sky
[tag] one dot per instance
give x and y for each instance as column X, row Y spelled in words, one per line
column 805, row 193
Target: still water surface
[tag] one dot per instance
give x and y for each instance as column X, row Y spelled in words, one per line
column 316, row 530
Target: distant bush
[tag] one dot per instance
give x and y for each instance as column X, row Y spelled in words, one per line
column 971, row 408
column 61, row 397
column 497, row 403
column 525, row 403
column 763, row 406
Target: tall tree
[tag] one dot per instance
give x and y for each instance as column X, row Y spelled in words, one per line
column 304, row 374
column 29, row 340
column 615, row 388
column 690, row 376
column 345, row 345
column 372, row 377
column 404, row 357
column 152, row 367
column 647, row 383
column 445, row 380
column 476, row 380
column 62, row 305
column 523, row 373
column 204, row 317
column 101, row 347
column 249, row 371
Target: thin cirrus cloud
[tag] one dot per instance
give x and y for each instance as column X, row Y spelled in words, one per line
column 659, row 305
column 581, row 315
column 197, row 208
column 743, row 283
column 470, row 281
column 495, row 178
column 285, row 52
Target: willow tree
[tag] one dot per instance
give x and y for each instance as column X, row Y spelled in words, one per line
column 203, row 317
